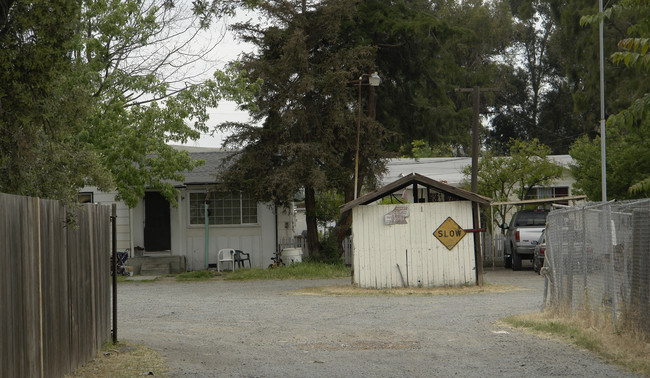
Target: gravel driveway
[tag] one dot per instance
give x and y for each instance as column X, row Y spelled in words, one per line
column 261, row 329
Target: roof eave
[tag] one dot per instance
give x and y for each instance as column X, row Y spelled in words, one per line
column 409, row 180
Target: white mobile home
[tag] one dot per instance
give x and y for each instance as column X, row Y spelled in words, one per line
column 449, row 170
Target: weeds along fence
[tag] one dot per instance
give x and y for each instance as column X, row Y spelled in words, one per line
column 598, row 263
column 54, row 285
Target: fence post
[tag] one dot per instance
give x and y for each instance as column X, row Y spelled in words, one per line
column 585, row 260
column 640, row 284
column 609, row 281
column 114, row 268
column 569, row 237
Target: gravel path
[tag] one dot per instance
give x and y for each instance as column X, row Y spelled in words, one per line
column 260, row 329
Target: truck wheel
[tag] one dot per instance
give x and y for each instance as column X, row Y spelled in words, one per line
column 537, row 266
column 516, row 261
column 507, row 260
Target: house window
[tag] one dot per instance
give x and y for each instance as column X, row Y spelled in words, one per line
column 223, row 208
column 548, row 192
column 561, row 191
column 85, row 197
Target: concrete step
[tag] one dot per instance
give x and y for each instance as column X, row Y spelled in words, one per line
column 155, row 268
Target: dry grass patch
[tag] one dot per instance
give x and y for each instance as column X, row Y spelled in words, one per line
column 592, row 333
column 352, row 291
column 124, row 360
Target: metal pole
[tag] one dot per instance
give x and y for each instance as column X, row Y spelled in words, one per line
column 603, row 166
column 476, row 100
column 494, row 254
column 207, row 235
column 114, row 268
column 356, row 158
column 475, row 215
column 609, row 248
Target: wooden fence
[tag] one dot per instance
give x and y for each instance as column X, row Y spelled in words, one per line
column 54, row 285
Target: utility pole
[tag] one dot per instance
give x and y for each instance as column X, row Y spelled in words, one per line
column 114, row 269
column 476, row 95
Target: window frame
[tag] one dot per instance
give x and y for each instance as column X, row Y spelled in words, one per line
column 244, row 216
column 552, row 189
column 89, row 195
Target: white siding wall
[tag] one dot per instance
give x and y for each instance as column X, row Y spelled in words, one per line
column 122, row 225
column 137, row 217
column 381, row 251
column 189, row 240
column 258, row 240
column 249, row 242
column 286, row 224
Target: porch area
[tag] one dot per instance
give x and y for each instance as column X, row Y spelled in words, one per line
column 157, row 264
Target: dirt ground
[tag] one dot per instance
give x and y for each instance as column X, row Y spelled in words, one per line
column 263, row 329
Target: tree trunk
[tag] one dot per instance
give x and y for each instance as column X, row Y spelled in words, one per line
column 344, row 222
column 312, row 227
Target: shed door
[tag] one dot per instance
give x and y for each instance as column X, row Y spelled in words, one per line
column 157, row 231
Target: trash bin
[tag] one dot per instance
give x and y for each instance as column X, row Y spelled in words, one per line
column 291, row 255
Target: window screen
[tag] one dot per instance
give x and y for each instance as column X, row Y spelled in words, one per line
column 223, row 208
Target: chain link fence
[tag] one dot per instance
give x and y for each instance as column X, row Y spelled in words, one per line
column 598, row 263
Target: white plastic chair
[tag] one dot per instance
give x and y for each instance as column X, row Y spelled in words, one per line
column 225, row 256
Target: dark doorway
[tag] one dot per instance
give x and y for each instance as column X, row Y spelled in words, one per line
column 157, row 232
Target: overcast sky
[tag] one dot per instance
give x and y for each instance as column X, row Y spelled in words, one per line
column 227, row 50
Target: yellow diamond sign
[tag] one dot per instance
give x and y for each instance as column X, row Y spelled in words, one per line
column 449, row 233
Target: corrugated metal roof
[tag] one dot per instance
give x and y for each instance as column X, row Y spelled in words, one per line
column 447, row 170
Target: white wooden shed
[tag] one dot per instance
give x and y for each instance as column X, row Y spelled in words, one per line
column 427, row 243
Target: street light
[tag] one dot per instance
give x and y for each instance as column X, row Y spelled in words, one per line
column 373, row 80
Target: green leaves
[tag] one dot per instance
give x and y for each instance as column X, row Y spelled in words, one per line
column 634, row 44
column 501, row 177
column 636, row 55
column 630, row 117
column 628, row 159
column 641, row 188
column 45, row 103
column 595, row 19
column 98, row 92
column 505, row 177
column 627, row 130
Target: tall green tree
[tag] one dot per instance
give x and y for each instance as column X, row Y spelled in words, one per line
column 627, row 132
column 311, row 55
column 307, row 106
column 45, row 102
column 579, row 60
column 426, row 50
column 140, row 53
column 628, row 159
column 535, row 101
column 92, row 92
column 636, row 118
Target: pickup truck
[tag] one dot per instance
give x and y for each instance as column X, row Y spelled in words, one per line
column 522, row 234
